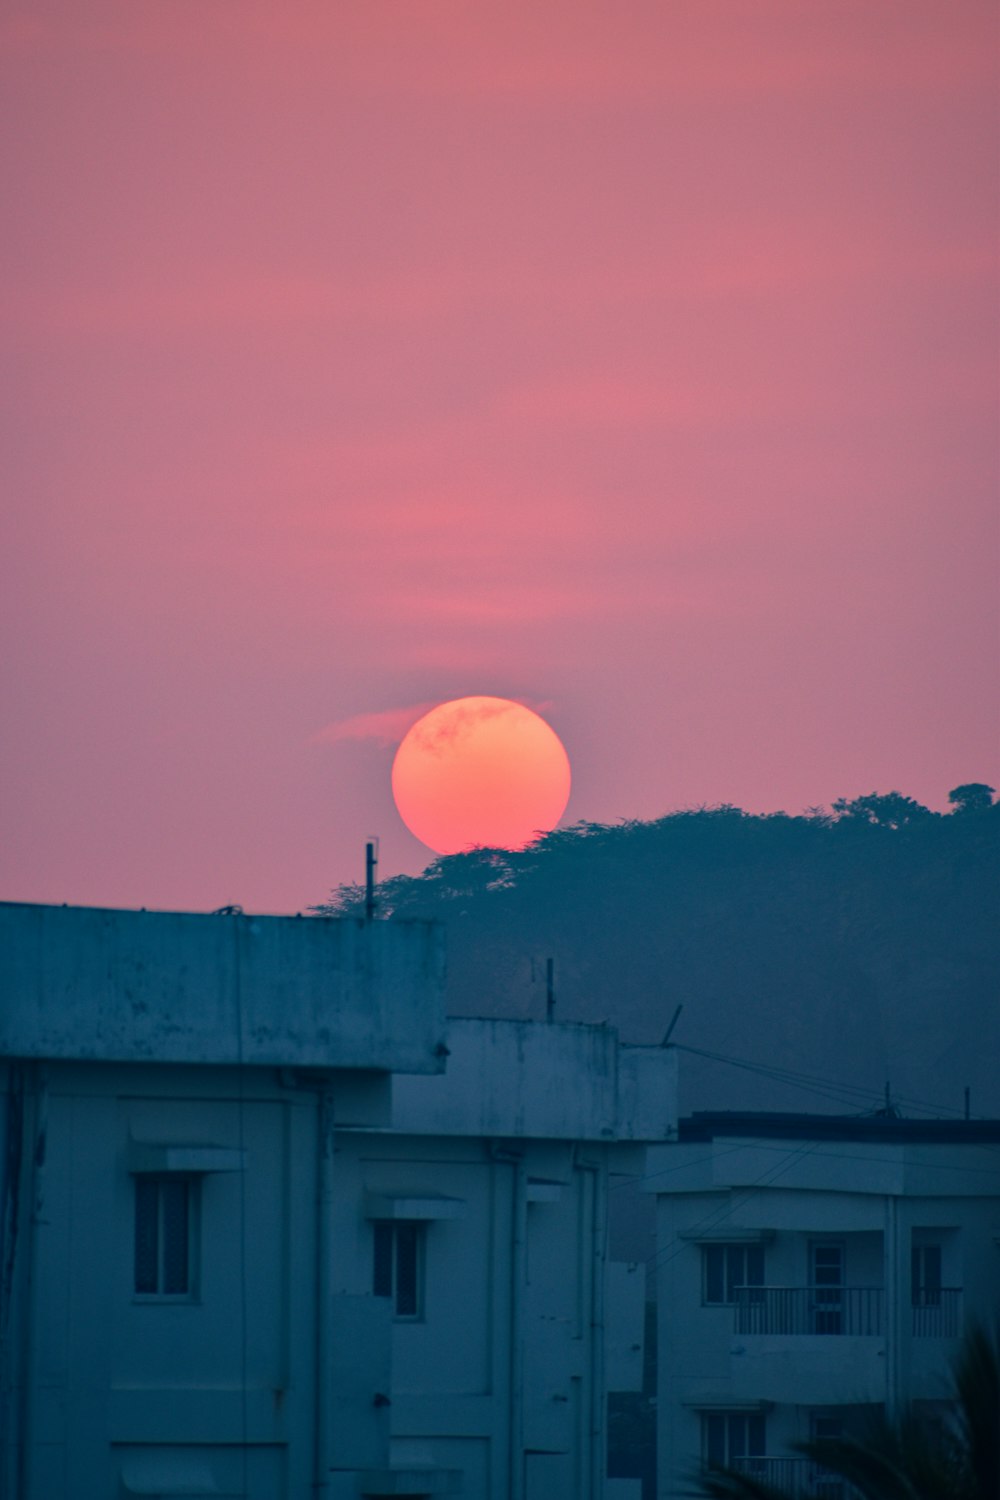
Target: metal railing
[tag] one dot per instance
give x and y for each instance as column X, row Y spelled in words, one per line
column 936, row 1312
column 853, row 1310
column 795, row 1476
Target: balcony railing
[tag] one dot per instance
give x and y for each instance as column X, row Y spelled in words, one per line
column 795, row 1476
column 852, row 1310
column 937, row 1312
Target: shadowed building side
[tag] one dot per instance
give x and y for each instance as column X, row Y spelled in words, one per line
column 257, row 1242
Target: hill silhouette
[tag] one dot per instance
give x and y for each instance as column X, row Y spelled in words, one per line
column 822, row 955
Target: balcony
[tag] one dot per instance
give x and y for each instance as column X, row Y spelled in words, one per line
column 800, row 1477
column 853, row 1311
column 848, row 1311
column 937, row 1313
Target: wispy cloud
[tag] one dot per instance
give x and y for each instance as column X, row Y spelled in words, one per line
column 386, row 726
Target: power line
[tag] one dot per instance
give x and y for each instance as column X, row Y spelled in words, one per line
column 813, row 1083
column 710, row 1221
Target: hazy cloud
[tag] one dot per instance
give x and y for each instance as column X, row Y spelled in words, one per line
column 386, row 726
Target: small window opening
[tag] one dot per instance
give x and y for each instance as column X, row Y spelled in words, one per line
column 162, row 1236
column 397, row 1264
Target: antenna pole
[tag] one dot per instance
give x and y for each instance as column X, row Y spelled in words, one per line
column 670, row 1029
column 371, row 864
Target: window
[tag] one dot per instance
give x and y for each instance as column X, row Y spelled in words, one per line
column 826, row 1270
column 729, row 1436
column 825, row 1427
column 163, row 1235
column 925, row 1276
column 727, row 1267
column 398, row 1264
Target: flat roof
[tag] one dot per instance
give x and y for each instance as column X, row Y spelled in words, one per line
column 98, row 984
column 706, row 1125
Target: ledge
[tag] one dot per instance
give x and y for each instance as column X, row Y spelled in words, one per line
column 413, row 1206
column 411, row 1481
column 148, row 1156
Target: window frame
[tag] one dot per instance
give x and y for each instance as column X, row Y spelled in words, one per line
column 165, row 1183
column 398, row 1261
column 726, row 1250
column 925, row 1291
column 753, row 1422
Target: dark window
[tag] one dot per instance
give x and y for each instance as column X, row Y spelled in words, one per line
column 727, row 1267
column 162, row 1236
column 728, row 1436
column 397, row 1264
column 925, row 1284
column 827, row 1270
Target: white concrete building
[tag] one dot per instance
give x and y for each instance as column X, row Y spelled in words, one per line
column 485, row 1209
column 809, row 1266
column 249, row 1248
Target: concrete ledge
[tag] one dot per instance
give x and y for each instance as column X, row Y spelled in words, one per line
column 413, row 1206
column 411, row 1481
column 147, row 1156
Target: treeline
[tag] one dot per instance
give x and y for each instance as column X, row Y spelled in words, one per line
column 831, row 952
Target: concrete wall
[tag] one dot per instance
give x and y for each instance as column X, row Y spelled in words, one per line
column 105, row 1387
column 499, row 1379
column 543, row 1081
column 173, row 987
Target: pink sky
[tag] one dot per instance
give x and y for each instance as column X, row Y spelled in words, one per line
column 638, row 361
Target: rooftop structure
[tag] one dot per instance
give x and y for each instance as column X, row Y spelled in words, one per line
column 139, row 986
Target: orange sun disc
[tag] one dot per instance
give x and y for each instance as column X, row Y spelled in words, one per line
column 480, row 771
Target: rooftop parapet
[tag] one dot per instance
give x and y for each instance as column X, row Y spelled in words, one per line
column 543, row 1081
column 136, row 986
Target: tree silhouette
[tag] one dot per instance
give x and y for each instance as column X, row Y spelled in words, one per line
column 883, row 810
column 974, row 796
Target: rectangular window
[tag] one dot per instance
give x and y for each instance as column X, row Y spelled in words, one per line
column 925, row 1282
column 825, row 1426
column 727, row 1267
column 729, row 1436
column 398, row 1264
column 162, row 1266
column 826, row 1269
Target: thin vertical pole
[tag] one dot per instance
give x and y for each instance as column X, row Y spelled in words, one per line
column 370, row 865
column 550, row 991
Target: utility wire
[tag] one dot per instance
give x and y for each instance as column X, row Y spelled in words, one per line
column 661, row 1258
column 829, row 1088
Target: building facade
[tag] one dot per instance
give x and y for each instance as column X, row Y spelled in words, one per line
column 809, row 1268
column 250, row 1248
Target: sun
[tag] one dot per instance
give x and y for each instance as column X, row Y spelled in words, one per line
column 480, row 771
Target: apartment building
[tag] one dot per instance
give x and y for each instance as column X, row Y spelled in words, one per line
column 808, row 1268
column 244, row 1251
